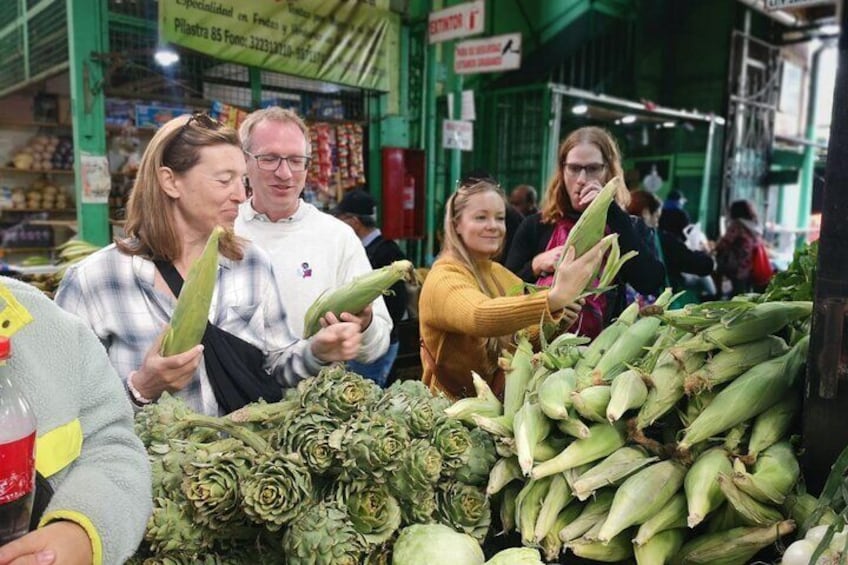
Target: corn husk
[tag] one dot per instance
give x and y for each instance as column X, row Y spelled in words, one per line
column 603, row 440
column 592, row 514
column 671, row 516
column 703, row 493
column 612, row 470
column 731, row 547
column 660, row 548
column 773, row 424
column 775, row 473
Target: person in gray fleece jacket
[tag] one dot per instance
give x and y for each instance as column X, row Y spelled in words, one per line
column 85, row 447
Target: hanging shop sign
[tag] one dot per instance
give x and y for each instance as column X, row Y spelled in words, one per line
column 462, row 20
column 457, row 134
column 350, row 42
column 784, row 4
column 492, row 54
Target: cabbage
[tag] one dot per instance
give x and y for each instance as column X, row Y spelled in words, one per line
column 516, row 556
column 426, row 544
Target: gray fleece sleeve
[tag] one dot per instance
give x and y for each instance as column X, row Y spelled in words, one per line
column 109, row 484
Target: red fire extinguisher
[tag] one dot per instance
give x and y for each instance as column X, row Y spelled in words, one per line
column 408, row 205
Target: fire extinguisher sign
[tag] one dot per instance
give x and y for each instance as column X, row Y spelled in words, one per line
column 458, row 134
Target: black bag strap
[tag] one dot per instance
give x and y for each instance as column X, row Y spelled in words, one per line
column 235, row 368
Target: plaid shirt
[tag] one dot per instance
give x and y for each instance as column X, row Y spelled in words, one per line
column 114, row 293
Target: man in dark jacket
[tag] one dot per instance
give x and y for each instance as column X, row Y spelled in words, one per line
column 357, row 210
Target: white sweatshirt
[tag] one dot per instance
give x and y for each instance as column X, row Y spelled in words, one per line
column 312, row 252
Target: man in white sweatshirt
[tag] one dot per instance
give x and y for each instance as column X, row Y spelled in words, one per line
column 311, row 251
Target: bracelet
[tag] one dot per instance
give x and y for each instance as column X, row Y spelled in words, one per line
column 137, row 398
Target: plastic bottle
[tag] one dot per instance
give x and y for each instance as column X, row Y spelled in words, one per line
column 17, row 453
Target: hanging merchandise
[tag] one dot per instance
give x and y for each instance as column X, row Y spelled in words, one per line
column 227, row 114
column 337, row 161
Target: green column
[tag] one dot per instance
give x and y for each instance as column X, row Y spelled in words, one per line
column 809, row 162
column 88, row 45
column 704, row 201
column 430, row 148
column 254, row 75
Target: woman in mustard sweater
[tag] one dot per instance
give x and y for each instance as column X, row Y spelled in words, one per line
column 465, row 314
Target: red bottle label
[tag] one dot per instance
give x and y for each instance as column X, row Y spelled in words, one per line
column 17, row 468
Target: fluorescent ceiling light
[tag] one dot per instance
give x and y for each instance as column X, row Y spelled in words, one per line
column 669, row 124
column 165, row 57
column 629, row 119
column 829, row 29
column 579, row 109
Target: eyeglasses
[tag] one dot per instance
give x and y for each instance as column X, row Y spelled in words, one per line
column 270, row 162
column 201, row 118
column 593, row 170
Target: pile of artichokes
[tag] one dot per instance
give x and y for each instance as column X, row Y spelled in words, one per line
column 328, row 475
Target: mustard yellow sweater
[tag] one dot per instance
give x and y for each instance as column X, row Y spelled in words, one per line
column 456, row 317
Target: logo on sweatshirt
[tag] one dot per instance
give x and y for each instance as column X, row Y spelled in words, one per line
column 304, row 271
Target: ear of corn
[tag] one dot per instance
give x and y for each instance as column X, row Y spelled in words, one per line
column 500, row 426
column 465, row 408
column 551, row 544
column 617, row 549
column 608, row 336
column 671, row 516
column 528, row 505
column 725, row 366
column 774, row 423
column 695, row 404
column 603, row 439
column 613, row 469
column 756, row 390
column 660, row 548
column 592, row 512
column 753, row 324
column 800, row 507
column 751, row 509
column 571, row 475
column 734, row 546
column 509, row 496
column 667, row 387
column 591, row 403
column 775, row 473
column 530, row 426
column 574, row 427
column 191, row 314
column 641, row 496
column 589, row 228
column 481, row 387
column 725, row 518
column 629, row 346
column 628, row 391
column 504, row 471
column 557, row 498
column 703, row 494
column 555, row 393
column 517, row 377
column 549, row 447
column 355, row 295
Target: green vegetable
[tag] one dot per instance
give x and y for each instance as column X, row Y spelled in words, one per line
column 427, row 544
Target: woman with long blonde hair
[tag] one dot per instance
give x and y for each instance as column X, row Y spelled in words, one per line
column 466, row 314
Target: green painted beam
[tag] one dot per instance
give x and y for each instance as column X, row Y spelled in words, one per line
column 88, row 38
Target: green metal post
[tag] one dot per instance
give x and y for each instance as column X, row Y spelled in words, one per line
column 88, row 45
column 255, row 77
column 430, row 148
column 705, row 180
column 376, row 105
column 455, row 154
column 808, row 164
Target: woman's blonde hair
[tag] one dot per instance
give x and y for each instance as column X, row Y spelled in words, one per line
column 456, row 247
column 150, row 226
column 556, row 202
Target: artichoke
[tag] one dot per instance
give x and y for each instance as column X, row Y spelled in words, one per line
column 322, row 534
column 275, row 490
column 158, row 422
column 453, row 440
column 170, row 528
column 212, row 480
column 374, row 445
column 465, row 508
column 479, row 460
column 420, row 510
column 341, row 393
column 420, row 468
column 307, row 432
column 372, row 510
column 166, row 465
column 418, row 410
